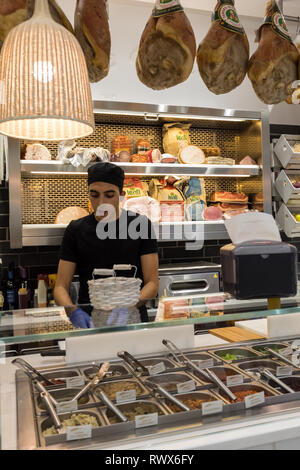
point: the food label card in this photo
(123, 397)
(212, 407)
(144, 421)
(79, 432)
(66, 407)
(254, 400)
(75, 382)
(234, 380)
(186, 386)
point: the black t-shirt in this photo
(129, 238)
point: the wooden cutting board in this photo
(233, 334)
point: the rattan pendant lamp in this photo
(44, 86)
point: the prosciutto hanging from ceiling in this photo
(167, 48)
(273, 67)
(223, 54)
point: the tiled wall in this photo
(38, 260)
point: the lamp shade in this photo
(44, 86)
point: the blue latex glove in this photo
(119, 316)
(80, 319)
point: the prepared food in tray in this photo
(235, 354)
(131, 410)
(193, 400)
(112, 388)
(75, 419)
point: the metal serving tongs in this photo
(133, 362)
(206, 372)
(51, 408)
(280, 356)
(93, 383)
(30, 371)
(155, 388)
(268, 374)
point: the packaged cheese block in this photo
(37, 152)
(176, 136)
(226, 196)
(134, 187)
(70, 213)
(145, 206)
(120, 143)
(192, 155)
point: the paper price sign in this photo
(204, 364)
(284, 370)
(212, 407)
(186, 386)
(79, 432)
(75, 382)
(234, 380)
(143, 421)
(254, 400)
(157, 369)
(123, 397)
(66, 407)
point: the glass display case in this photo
(153, 394)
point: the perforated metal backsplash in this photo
(43, 196)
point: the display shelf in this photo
(286, 189)
(287, 222)
(193, 232)
(285, 152)
(145, 169)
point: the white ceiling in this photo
(254, 8)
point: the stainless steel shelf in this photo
(146, 169)
(193, 233)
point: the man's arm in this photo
(65, 273)
(149, 265)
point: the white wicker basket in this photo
(114, 292)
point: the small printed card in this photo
(189, 386)
(284, 370)
(157, 369)
(234, 380)
(79, 432)
(123, 397)
(254, 400)
(144, 421)
(212, 407)
(66, 407)
(77, 381)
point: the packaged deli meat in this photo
(139, 158)
(273, 68)
(195, 202)
(226, 206)
(70, 213)
(154, 156)
(134, 187)
(145, 206)
(168, 158)
(224, 52)
(175, 137)
(167, 48)
(121, 143)
(226, 196)
(143, 146)
(212, 213)
(191, 155)
(171, 203)
(37, 152)
(92, 33)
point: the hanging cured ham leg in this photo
(224, 53)
(14, 12)
(167, 48)
(274, 66)
(92, 32)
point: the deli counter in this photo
(181, 383)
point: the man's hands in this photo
(80, 319)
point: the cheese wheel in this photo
(37, 152)
(192, 155)
(70, 213)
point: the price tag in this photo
(234, 380)
(123, 397)
(212, 407)
(186, 386)
(204, 364)
(284, 370)
(144, 421)
(254, 400)
(79, 432)
(75, 381)
(157, 369)
(286, 351)
(66, 407)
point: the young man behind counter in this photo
(83, 250)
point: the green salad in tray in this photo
(230, 357)
(274, 348)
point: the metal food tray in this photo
(61, 374)
(219, 369)
(108, 414)
(267, 345)
(103, 386)
(254, 385)
(167, 380)
(152, 361)
(249, 354)
(200, 395)
(63, 395)
(120, 369)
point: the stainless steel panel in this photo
(170, 285)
